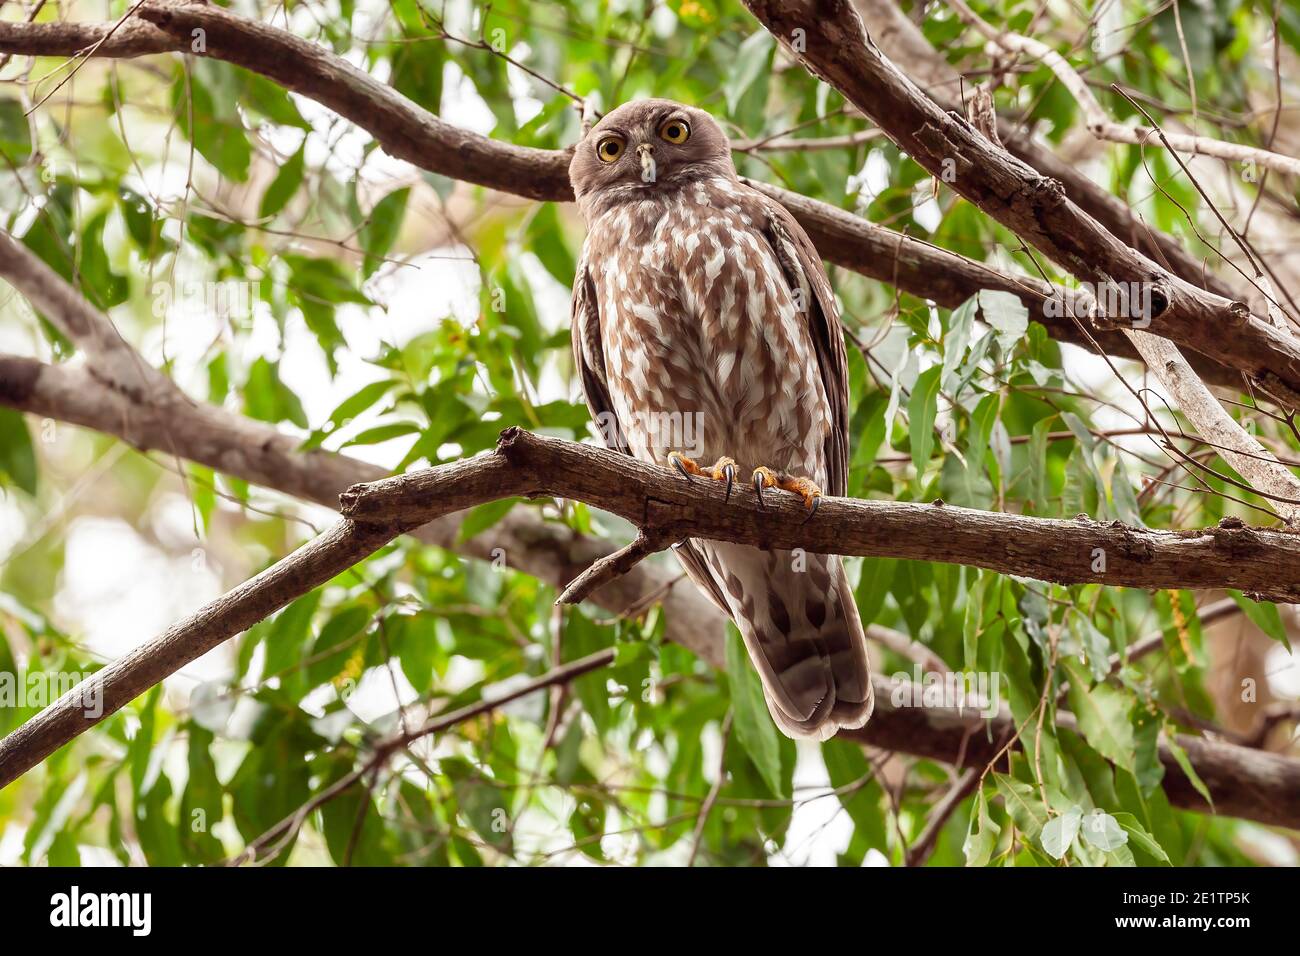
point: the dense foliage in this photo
(274, 261)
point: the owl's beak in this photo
(646, 153)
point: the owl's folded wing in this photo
(589, 360)
(804, 272)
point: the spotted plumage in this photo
(703, 325)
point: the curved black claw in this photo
(681, 469)
(758, 489)
(812, 510)
(730, 472)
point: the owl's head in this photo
(645, 146)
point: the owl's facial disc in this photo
(647, 146)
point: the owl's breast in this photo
(699, 324)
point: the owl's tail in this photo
(800, 624)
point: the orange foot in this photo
(809, 492)
(724, 469)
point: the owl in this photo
(705, 330)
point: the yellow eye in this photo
(675, 131)
(609, 149)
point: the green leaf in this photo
(1185, 764)
(1104, 717)
(1006, 314)
(853, 776)
(479, 519)
(1265, 616)
(1102, 831)
(1139, 835)
(382, 227)
(983, 835)
(750, 71)
(98, 281)
(287, 635)
(754, 727)
(201, 802)
(354, 830)
(217, 132)
(417, 73)
(415, 642)
(973, 620)
(483, 806)
(921, 410)
(269, 99)
(382, 433)
(333, 647)
(1096, 646)
(17, 457)
(318, 287)
(957, 338)
(1023, 804)
(269, 399)
(15, 133)
(1060, 831)
(283, 187)
(348, 409)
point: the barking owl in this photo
(705, 330)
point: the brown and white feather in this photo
(698, 299)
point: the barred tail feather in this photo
(801, 627)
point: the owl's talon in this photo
(763, 478)
(804, 488)
(724, 469)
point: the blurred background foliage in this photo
(274, 261)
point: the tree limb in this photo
(1096, 120)
(1234, 444)
(1261, 561)
(904, 43)
(409, 132)
(1242, 782)
(834, 46)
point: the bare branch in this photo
(260, 454)
(112, 359)
(108, 690)
(412, 133)
(905, 44)
(835, 47)
(1098, 123)
(1241, 782)
(612, 566)
(1261, 561)
(1251, 460)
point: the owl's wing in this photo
(803, 270)
(589, 360)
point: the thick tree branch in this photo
(412, 133)
(1212, 422)
(1233, 443)
(108, 690)
(259, 454)
(904, 43)
(1242, 782)
(1261, 561)
(834, 46)
(113, 360)
(1096, 120)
